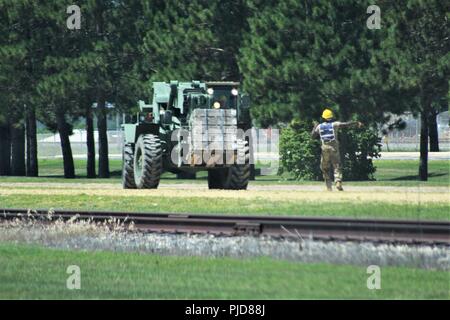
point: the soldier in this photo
(328, 133)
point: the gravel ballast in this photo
(115, 237)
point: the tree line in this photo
(293, 57)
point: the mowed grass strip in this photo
(40, 273)
(407, 170)
(389, 173)
(417, 201)
(272, 193)
(260, 206)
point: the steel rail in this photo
(317, 228)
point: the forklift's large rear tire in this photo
(147, 161)
(235, 177)
(127, 167)
(239, 173)
(238, 177)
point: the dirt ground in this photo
(411, 195)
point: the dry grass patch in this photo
(303, 194)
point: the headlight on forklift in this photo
(216, 105)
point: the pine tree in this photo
(180, 43)
(21, 53)
(300, 57)
(416, 51)
(107, 59)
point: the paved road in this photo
(414, 155)
(268, 156)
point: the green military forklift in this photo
(189, 127)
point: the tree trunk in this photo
(17, 150)
(423, 166)
(90, 143)
(433, 132)
(5, 150)
(64, 132)
(32, 159)
(103, 161)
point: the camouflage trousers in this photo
(331, 160)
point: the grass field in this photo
(389, 173)
(258, 205)
(38, 273)
(268, 195)
(32, 272)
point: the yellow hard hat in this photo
(327, 114)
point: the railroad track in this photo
(318, 228)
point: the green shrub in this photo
(300, 154)
(357, 145)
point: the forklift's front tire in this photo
(147, 161)
(127, 167)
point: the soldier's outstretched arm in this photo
(348, 124)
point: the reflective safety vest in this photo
(326, 132)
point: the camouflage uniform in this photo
(328, 133)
